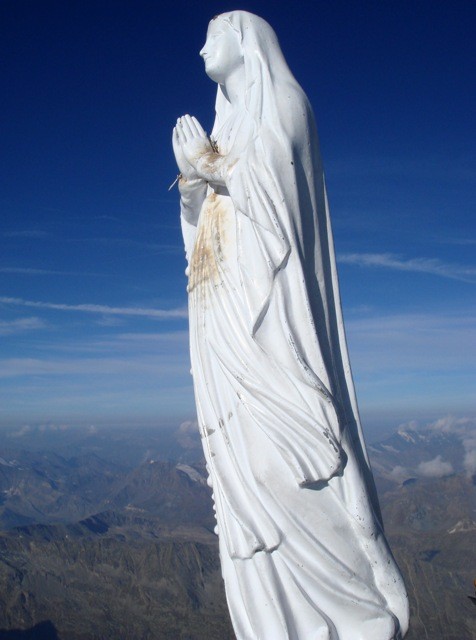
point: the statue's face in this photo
(222, 51)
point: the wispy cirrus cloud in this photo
(26, 233)
(20, 325)
(459, 241)
(432, 266)
(30, 271)
(101, 309)
(412, 342)
(133, 243)
(119, 366)
(174, 342)
(391, 166)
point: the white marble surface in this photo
(302, 548)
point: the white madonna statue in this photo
(302, 548)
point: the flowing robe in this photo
(302, 549)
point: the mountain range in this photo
(108, 534)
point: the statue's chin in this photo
(213, 75)
(214, 72)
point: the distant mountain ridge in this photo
(107, 545)
(427, 491)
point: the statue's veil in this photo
(265, 67)
(282, 125)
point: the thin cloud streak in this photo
(412, 342)
(175, 342)
(390, 167)
(43, 272)
(432, 266)
(162, 314)
(458, 241)
(130, 242)
(20, 325)
(155, 365)
(26, 233)
(27, 271)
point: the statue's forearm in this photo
(193, 192)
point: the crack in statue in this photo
(301, 541)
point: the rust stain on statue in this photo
(208, 249)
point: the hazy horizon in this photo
(93, 309)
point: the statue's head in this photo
(244, 43)
(222, 52)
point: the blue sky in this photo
(93, 320)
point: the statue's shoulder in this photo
(295, 111)
(290, 94)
